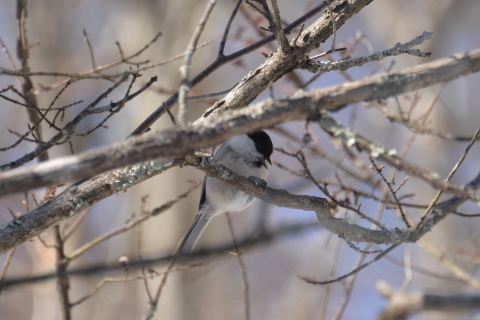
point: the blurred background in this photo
(214, 290)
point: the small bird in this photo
(246, 155)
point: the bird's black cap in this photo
(263, 143)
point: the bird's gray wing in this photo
(222, 152)
(203, 195)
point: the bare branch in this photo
(77, 198)
(320, 35)
(178, 143)
(244, 244)
(450, 175)
(393, 192)
(221, 49)
(345, 135)
(131, 224)
(321, 207)
(187, 62)
(8, 260)
(353, 272)
(23, 49)
(243, 270)
(278, 30)
(68, 130)
(401, 305)
(63, 281)
(326, 66)
(104, 281)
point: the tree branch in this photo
(274, 67)
(75, 199)
(245, 243)
(177, 143)
(320, 206)
(401, 305)
(280, 63)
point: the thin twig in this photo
(334, 28)
(328, 288)
(104, 281)
(450, 175)
(458, 271)
(354, 271)
(407, 267)
(405, 48)
(131, 224)
(90, 49)
(298, 36)
(6, 264)
(347, 290)
(301, 158)
(68, 130)
(95, 72)
(278, 30)
(210, 95)
(27, 84)
(244, 244)
(187, 62)
(243, 269)
(153, 304)
(139, 249)
(422, 269)
(69, 230)
(221, 48)
(467, 215)
(389, 186)
(254, 23)
(63, 281)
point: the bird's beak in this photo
(264, 162)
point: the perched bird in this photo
(246, 155)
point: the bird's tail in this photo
(193, 234)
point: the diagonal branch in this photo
(345, 135)
(75, 199)
(320, 206)
(176, 143)
(179, 142)
(275, 67)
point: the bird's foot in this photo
(259, 183)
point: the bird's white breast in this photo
(228, 199)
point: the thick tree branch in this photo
(280, 63)
(177, 143)
(320, 206)
(275, 67)
(75, 199)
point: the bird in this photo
(246, 155)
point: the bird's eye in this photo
(257, 163)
